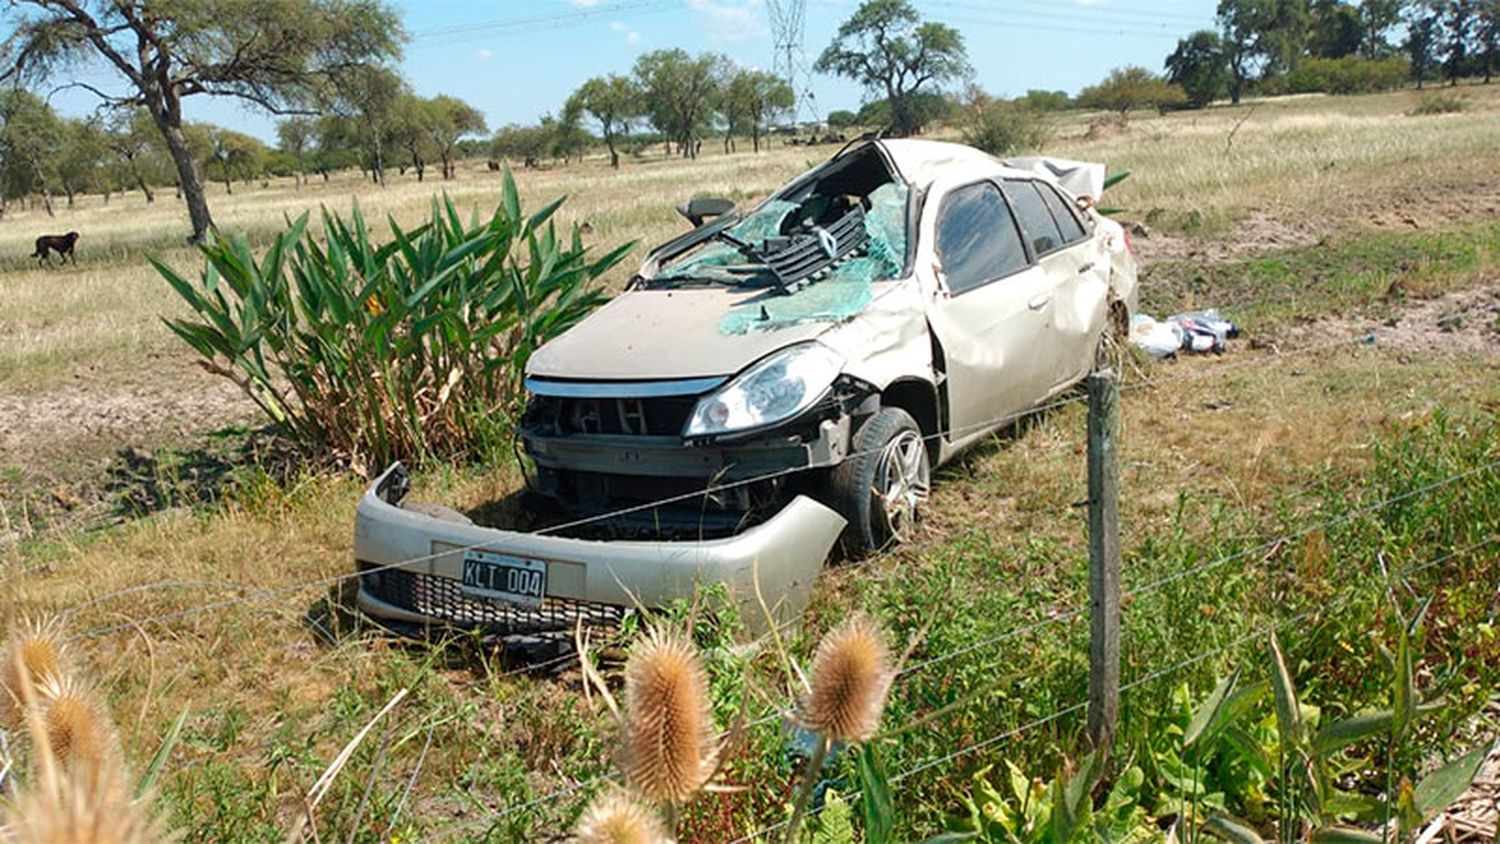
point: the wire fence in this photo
(552, 798)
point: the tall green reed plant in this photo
(408, 349)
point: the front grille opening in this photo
(654, 416)
(439, 597)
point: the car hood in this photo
(647, 335)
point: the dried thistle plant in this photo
(851, 679)
(616, 817)
(37, 650)
(78, 731)
(669, 751)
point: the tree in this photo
(79, 159)
(368, 99)
(452, 121)
(1489, 35)
(1131, 87)
(1377, 17)
(280, 55)
(678, 92)
(1000, 127)
(233, 155)
(886, 47)
(1338, 29)
(1458, 18)
(754, 97)
(566, 138)
(842, 119)
(30, 135)
(527, 143)
(132, 137)
(411, 128)
(1046, 100)
(1261, 38)
(1200, 67)
(295, 136)
(613, 102)
(1422, 31)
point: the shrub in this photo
(409, 349)
(1346, 75)
(1439, 104)
(1001, 127)
(1130, 87)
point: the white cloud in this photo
(632, 38)
(583, 4)
(484, 54)
(731, 21)
(1088, 3)
(618, 26)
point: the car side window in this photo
(1067, 220)
(1041, 230)
(977, 239)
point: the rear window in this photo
(1036, 221)
(977, 240)
(1067, 220)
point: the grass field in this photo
(1309, 220)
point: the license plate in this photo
(501, 577)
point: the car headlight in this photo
(774, 390)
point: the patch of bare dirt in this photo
(1465, 322)
(1258, 233)
(58, 433)
(1429, 204)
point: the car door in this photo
(989, 311)
(1077, 279)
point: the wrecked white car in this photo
(770, 381)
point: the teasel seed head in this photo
(668, 751)
(78, 731)
(616, 817)
(851, 677)
(39, 651)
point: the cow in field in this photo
(62, 244)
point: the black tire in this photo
(437, 511)
(863, 484)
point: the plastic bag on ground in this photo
(1157, 339)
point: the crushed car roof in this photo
(922, 162)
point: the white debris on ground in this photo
(1194, 331)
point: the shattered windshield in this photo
(813, 251)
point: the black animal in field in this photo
(62, 244)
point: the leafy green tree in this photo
(369, 100)
(754, 98)
(140, 159)
(79, 161)
(678, 92)
(1046, 100)
(452, 120)
(887, 47)
(1423, 31)
(295, 136)
(1489, 36)
(1261, 38)
(279, 55)
(1200, 67)
(1338, 29)
(1458, 20)
(526, 143)
(926, 107)
(842, 119)
(1000, 127)
(1131, 87)
(233, 155)
(410, 129)
(30, 135)
(614, 103)
(566, 138)
(1377, 17)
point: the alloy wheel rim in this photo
(902, 483)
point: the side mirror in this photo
(697, 210)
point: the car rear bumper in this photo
(412, 567)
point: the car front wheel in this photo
(881, 486)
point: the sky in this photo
(516, 60)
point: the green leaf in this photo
(1114, 179)
(1440, 788)
(1207, 711)
(951, 838)
(163, 752)
(1344, 835)
(875, 792)
(1288, 713)
(1233, 829)
(1358, 728)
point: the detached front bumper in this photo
(412, 567)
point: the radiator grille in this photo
(440, 598)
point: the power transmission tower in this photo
(788, 20)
